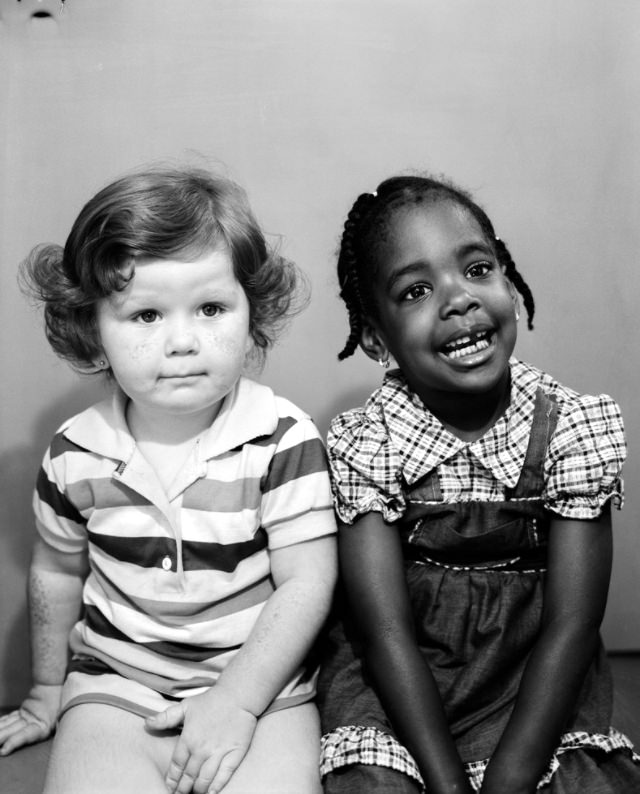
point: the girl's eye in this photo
(210, 310)
(147, 316)
(415, 292)
(479, 269)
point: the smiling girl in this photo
(473, 493)
(185, 557)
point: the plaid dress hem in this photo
(354, 744)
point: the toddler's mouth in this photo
(468, 345)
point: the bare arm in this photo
(55, 603)
(304, 576)
(574, 603)
(219, 725)
(373, 570)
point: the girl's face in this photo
(177, 336)
(445, 310)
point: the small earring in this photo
(101, 364)
(384, 362)
(517, 314)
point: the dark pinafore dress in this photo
(476, 573)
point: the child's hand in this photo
(34, 721)
(215, 738)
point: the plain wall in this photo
(531, 106)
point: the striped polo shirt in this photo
(179, 578)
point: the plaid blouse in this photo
(393, 439)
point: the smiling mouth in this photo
(468, 345)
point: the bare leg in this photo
(105, 750)
(283, 757)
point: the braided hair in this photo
(365, 227)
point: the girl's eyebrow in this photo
(470, 248)
(406, 270)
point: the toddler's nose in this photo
(182, 339)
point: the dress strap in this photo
(545, 419)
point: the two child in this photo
(186, 550)
(473, 493)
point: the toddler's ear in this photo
(372, 342)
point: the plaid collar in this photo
(423, 443)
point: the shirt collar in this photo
(247, 412)
(423, 443)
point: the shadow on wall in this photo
(18, 471)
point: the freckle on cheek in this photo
(227, 344)
(140, 352)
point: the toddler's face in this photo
(445, 309)
(177, 336)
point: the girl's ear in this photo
(372, 343)
(515, 298)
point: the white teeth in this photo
(464, 348)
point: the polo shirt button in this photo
(166, 563)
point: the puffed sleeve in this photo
(584, 463)
(364, 467)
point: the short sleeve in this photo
(296, 493)
(584, 462)
(365, 468)
(59, 522)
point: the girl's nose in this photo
(457, 298)
(182, 339)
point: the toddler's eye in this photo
(479, 269)
(210, 310)
(147, 316)
(415, 292)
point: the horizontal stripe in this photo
(307, 457)
(151, 552)
(147, 552)
(240, 493)
(285, 423)
(176, 612)
(228, 630)
(49, 493)
(98, 623)
(218, 556)
(137, 662)
(102, 492)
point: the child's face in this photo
(446, 312)
(177, 337)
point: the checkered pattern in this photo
(353, 744)
(393, 440)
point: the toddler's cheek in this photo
(226, 344)
(142, 352)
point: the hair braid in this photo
(514, 275)
(348, 273)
